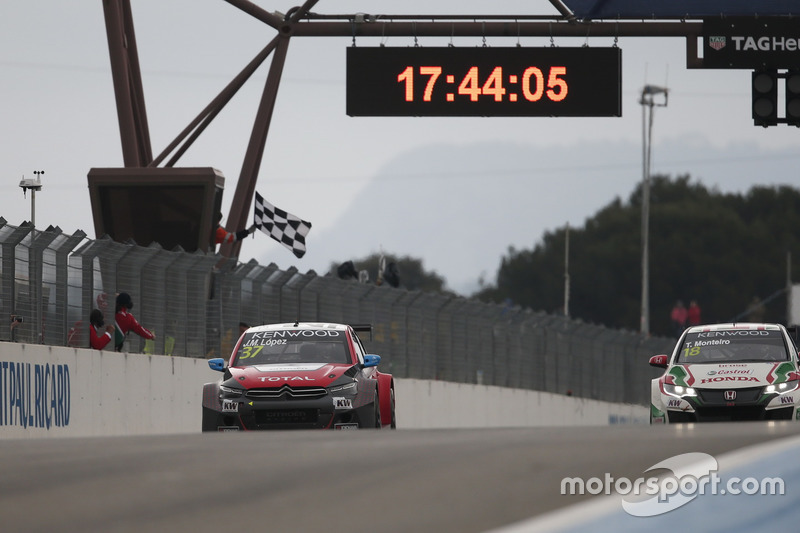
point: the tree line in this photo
(729, 252)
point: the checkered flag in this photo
(284, 227)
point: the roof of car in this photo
(734, 325)
(300, 325)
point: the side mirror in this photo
(217, 364)
(659, 361)
(371, 360)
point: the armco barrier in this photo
(51, 391)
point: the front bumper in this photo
(264, 414)
(710, 405)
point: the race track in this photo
(388, 481)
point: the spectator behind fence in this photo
(693, 314)
(756, 311)
(99, 339)
(678, 318)
(126, 322)
(228, 341)
(15, 322)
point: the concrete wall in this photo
(51, 391)
(441, 404)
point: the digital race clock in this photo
(484, 81)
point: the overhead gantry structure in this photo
(300, 21)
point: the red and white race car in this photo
(299, 375)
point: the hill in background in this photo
(460, 207)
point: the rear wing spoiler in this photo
(361, 328)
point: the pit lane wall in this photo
(52, 391)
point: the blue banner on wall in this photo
(34, 395)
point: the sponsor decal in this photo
(727, 378)
(751, 42)
(730, 395)
(33, 395)
(729, 372)
(230, 406)
(285, 378)
(284, 415)
(764, 44)
(289, 334)
(787, 399)
(673, 402)
(735, 333)
(345, 426)
(225, 429)
(342, 403)
(716, 42)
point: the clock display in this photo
(484, 81)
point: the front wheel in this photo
(393, 424)
(211, 420)
(371, 420)
(377, 412)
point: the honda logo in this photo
(730, 395)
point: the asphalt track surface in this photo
(388, 481)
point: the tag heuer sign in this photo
(716, 42)
(751, 43)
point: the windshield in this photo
(292, 346)
(733, 345)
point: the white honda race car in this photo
(726, 372)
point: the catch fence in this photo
(194, 303)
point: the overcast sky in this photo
(58, 113)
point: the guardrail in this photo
(195, 301)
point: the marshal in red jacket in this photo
(126, 322)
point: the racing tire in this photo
(393, 424)
(210, 420)
(377, 412)
(371, 418)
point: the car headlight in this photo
(230, 392)
(347, 388)
(679, 391)
(782, 388)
